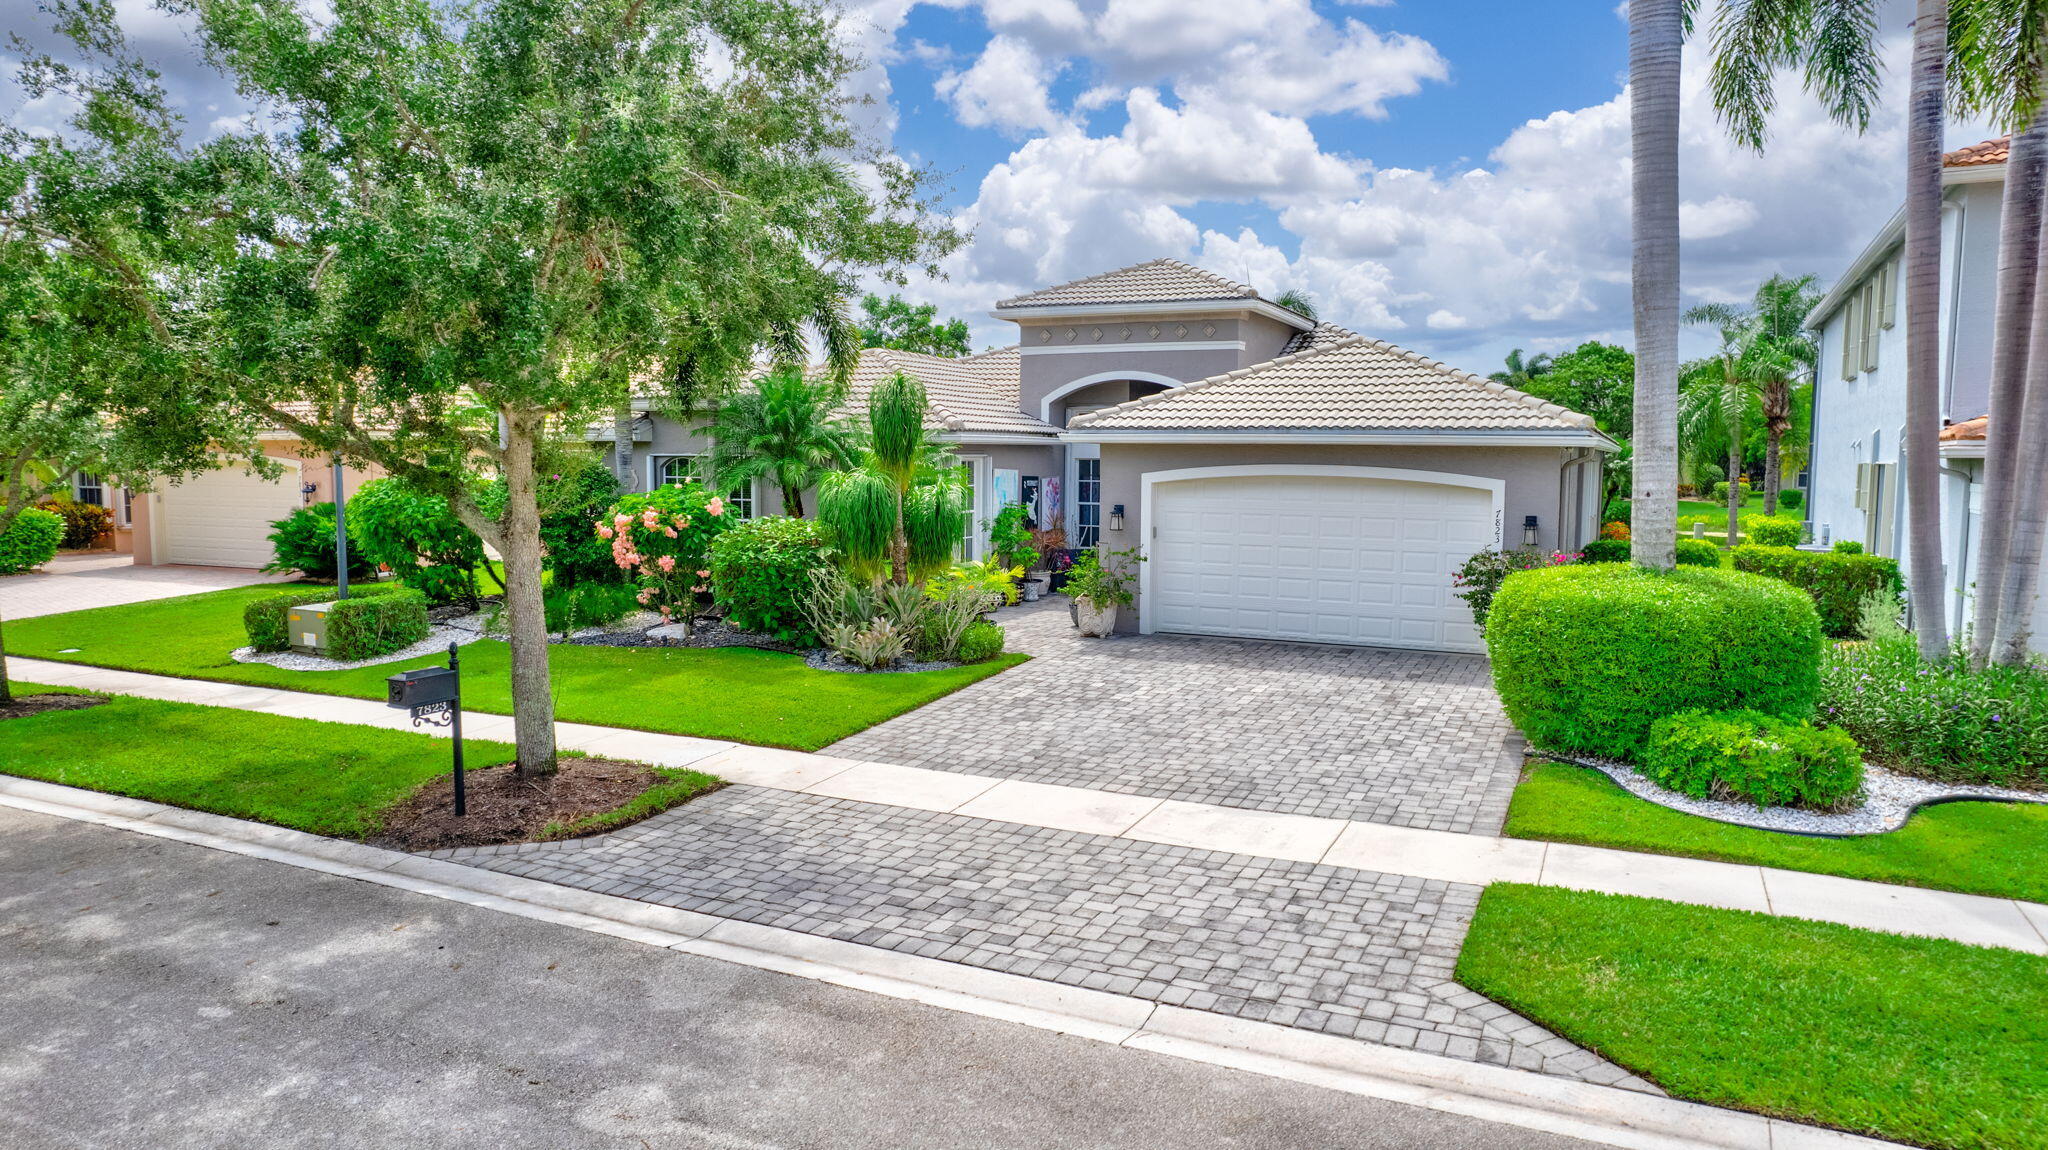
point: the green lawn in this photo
(1919, 1040)
(748, 696)
(1998, 849)
(327, 778)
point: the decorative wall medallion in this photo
(1070, 335)
(1126, 333)
(1155, 331)
(1045, 335)
(1096, 335)
(1180, 331)
(1209, 329)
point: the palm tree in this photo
(1921, 279)
(1782, 356)
(903, 507)
(784, 430)
(1720, 395)
(1520, 373)
(1299, 302)
(1656, 36)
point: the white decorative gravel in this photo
(1889, 799)
(436, 643)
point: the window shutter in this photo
(1849, 339)
(1888, 296)
(1870, 329)
(1863, 486)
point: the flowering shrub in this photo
(1938, 720)
(662, 540)
(1615, 529)
(1480, 578)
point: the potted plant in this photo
(1099, 583)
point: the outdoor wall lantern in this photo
(1116, 517)
(1528, 531)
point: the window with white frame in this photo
(1088, 502)
(89, 488)
(677, 470)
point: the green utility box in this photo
(307, 625)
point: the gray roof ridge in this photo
(1493, 385)
(1245, 291)
(1240, 373)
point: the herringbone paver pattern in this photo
(1327, 949)
(1410, 738)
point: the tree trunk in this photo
(533, 699)
(1922, 296)
(1734, 487)
(6, 688)
(2019, 239)
(1774, 435)
(1655, 34)
(793, 502)
(2027, 522)
(622, 445)
(899, 548)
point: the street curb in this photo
(1491, 1093)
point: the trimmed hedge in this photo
(1838, 581)
(980, 643)
(84, 523)
(366, 627)
(1742, 755)
(31, 540)
(1791, 499)
(761, 574)
(1848, 547)
(265, 619)
(1605, 551)
(1776, 531)
(1588, 657)
(1698, 553)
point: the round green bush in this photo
(570, 502)
(31, 540)
(1776, 531)
(1698, 553)
(1605, 551)
(1720, 493)
(1791, 499)
(761, 574)
(417, 535)
(1588, 657)
(980, 643)
(304, 542)
(1749, 757)
(1848, 547)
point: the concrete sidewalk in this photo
(1363, 846)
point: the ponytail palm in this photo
(903, 509)
(784, 431)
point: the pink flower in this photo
(703, 574)
(645, 596)
(700, 588)
(667, 563)
(603, 532)
(622, 520)
(669, 531)
(682, 521)
(715, 507)
(665, 609)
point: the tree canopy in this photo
(1596, 379)
(900, 324)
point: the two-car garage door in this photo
(1331, 558)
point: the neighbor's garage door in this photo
(222, 518)
(1320, 558)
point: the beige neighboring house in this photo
(1284, 479)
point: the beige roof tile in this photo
(1988, 152)
(976, 393)
(1348, 384)
(1154, 281)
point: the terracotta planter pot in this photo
(1094, 622)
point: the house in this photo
(1282, 478)
(1859, 409)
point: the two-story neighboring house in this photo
(1859, 411)
(1282, 479)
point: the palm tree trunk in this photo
(899, 547)
(793, 502)
(622, 444)
(2027, 524)
(1734, 486)
(1656, 31)
(2019, 240)
(1774, 435)
(1922, 295)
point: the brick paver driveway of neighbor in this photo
(103, 579)
(1410, 738)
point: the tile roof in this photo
(1320, 336)
(1988, 152)
(1968, 431)
(1154, 281)
(975, 393)
(1352, 384)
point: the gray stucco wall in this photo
(1535, 476)
(1970, 288)
(1055, 353)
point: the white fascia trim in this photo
(973, 437)
(1072, 386)
(1150, 480)
(1169, 307)
(1592, 439)
(1107, 348)
(1967, 449)
(1880, 248)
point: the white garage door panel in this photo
(1338, 559)
(222, 518)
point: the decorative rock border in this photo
(435, 643)
(1889, 799)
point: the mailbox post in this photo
(433, 697)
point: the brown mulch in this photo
(505, 808)
(26, 705)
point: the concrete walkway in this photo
(1363, 846)
(87, 579)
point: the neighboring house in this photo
(1284, 479)
(1859, 409)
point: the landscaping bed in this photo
(48, 699)
(1995, 849)
(584, 796)
(768, 698)
(1924, 1041)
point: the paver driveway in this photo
(103, 579)
(1404, 737)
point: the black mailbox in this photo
(422, 687)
